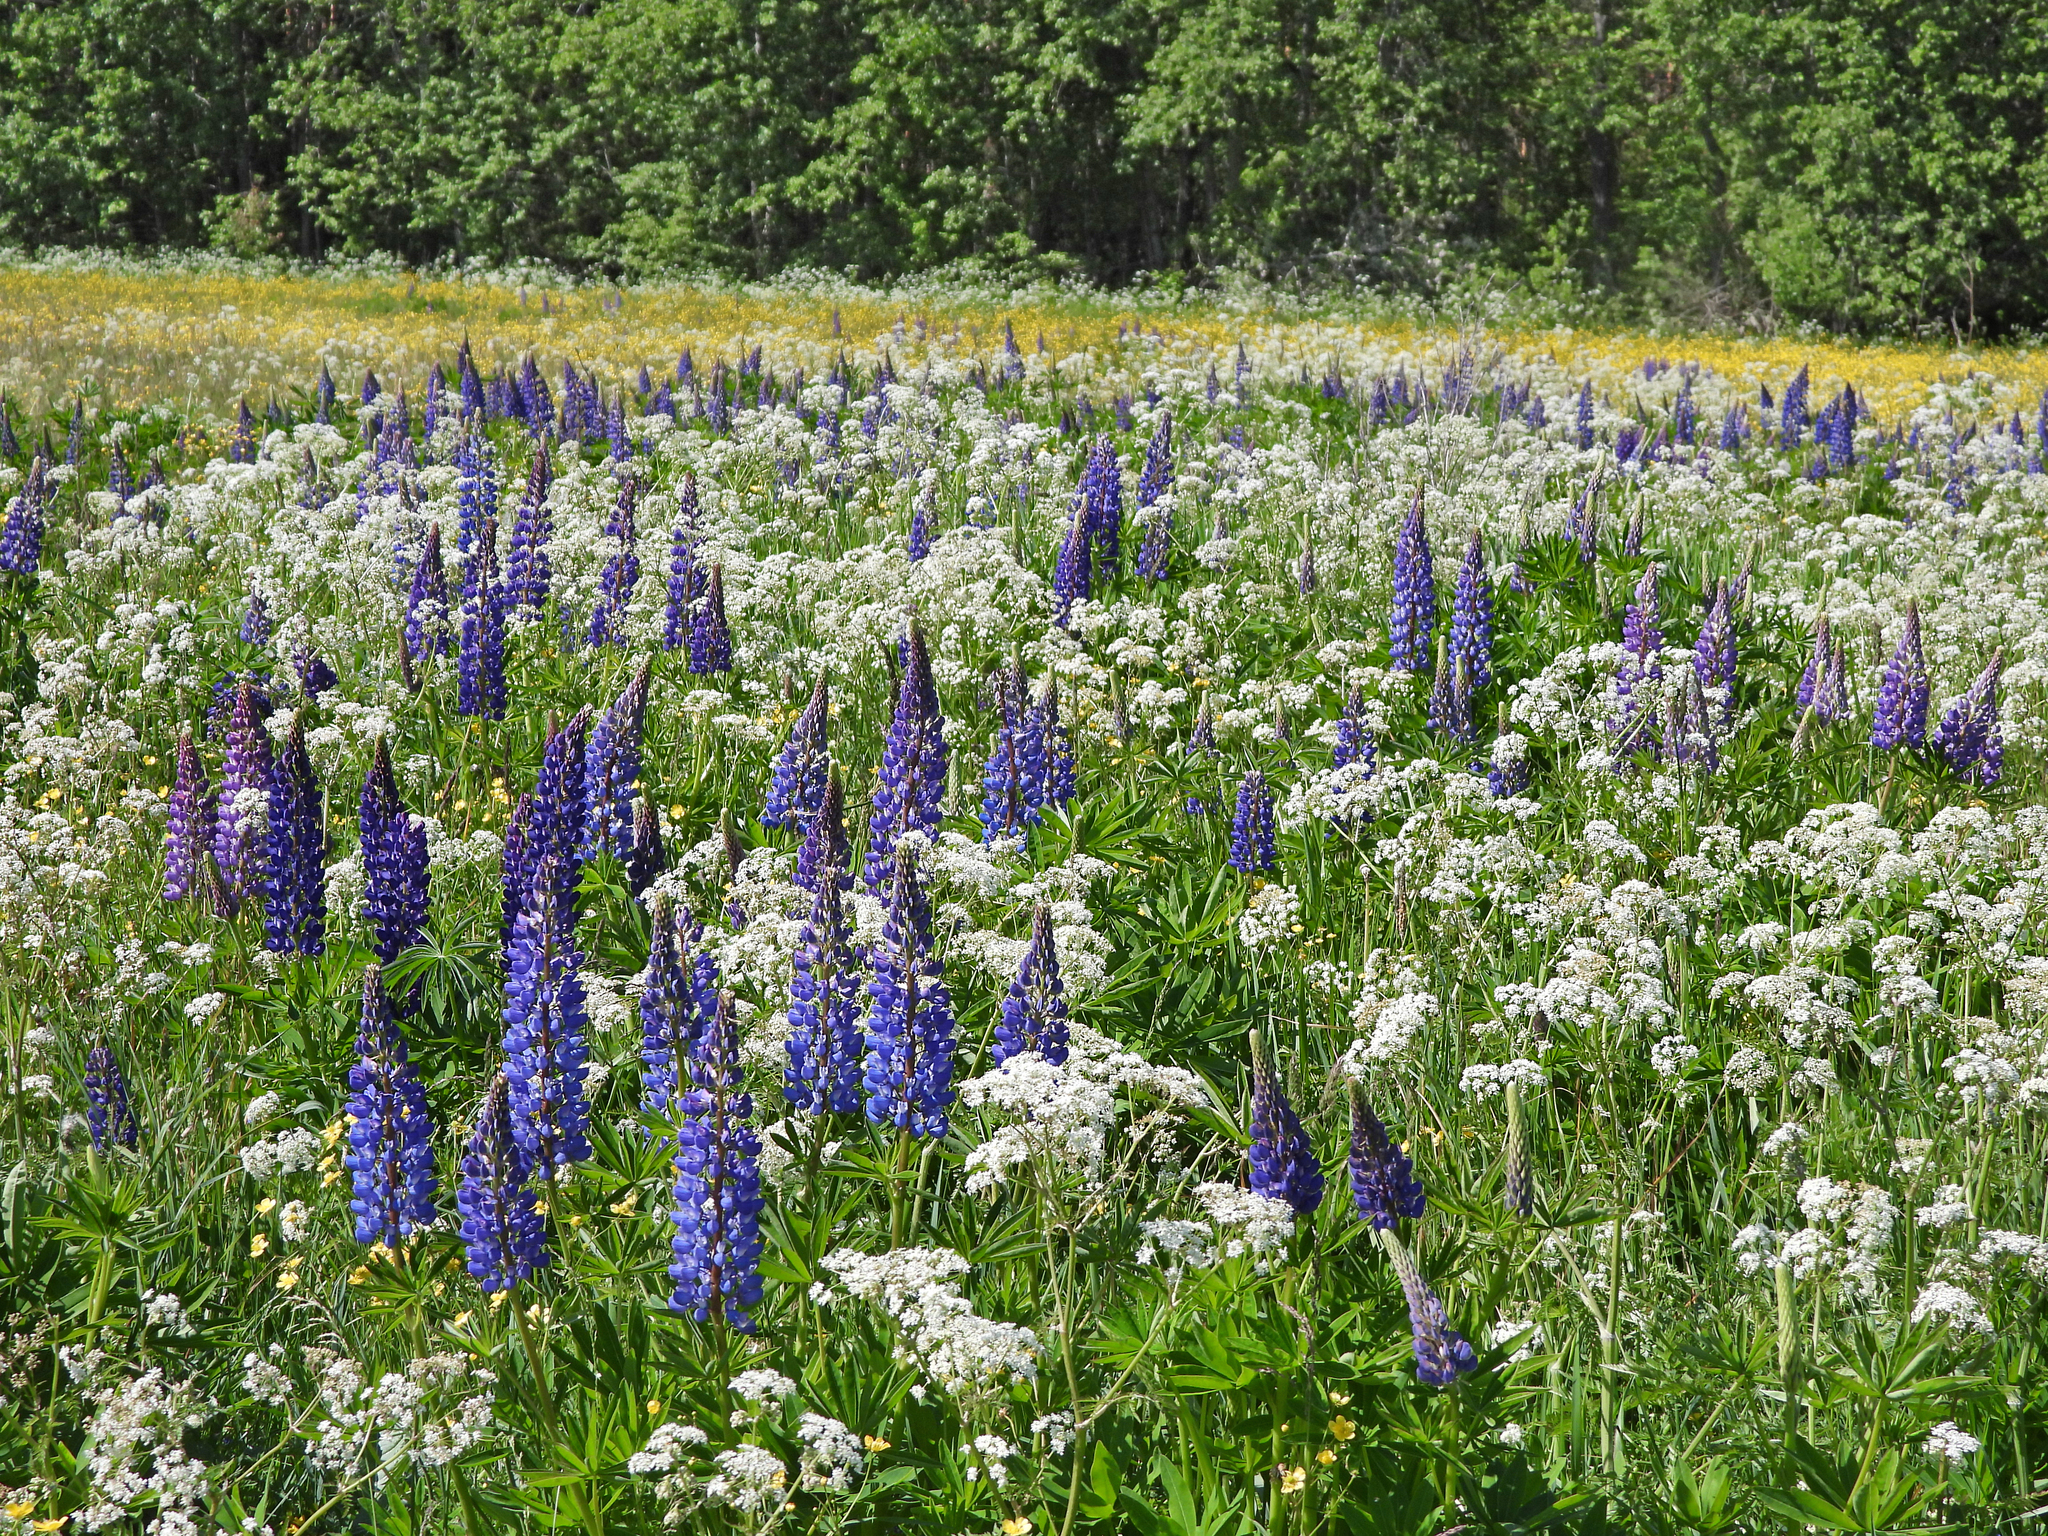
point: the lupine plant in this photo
(870, 1022)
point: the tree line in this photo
(1873, 165)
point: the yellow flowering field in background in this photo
(200, 340)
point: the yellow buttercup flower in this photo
(1017, 1525)
(1341, 1428)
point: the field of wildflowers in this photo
(731, 913)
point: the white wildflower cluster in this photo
(1271, 918)
(165, 1314)
(1482, 1081)
(937, 1329)
(289, 1151)
(136, 1435)
(1058, 1116)
(426, 1415)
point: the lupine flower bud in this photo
(545, 1029)
(717, 1213)
(188, 827)
(295, 875)
(1901, 716)
(1517, 1189)
(1441, 1353)
(827, 852)
(503, 1235)
(391, 1156)
(710, 637)
(107, 1110)
(797, 786)
(909, 1072)
(1034, 1012)
(1251, 829)
(1383, 1184)
(1413, 622)
(612, 771)
(1283, 1160)
(1814, 678)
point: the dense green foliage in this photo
(1858, 165)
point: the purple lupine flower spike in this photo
(1305, 573)
(717, 1212)
(612, 771)
(504, 1236)
(391, 1155)
(244, 778)
(912, 782)
(1383, 1183)
(1968, 737)
(710, 636)
(910, 1045)
(188, 827)
(827, 852)
(107, 1111)
(545, 1029)
(394, 854)
(1251, 828)
(648, 859)
(256, 628)
(678, 991)
(480, 674)
(426, 604)
(1154, 481)
(1051, 743)
(1071, 576)
(1354, 737)
(1441, 1353)
(1901, 716)
(685, 577)
(1413, 621)
(1034, 1010)
(1832, 701)
(295, 873)
(1713, 663)
(21, 538)
(527, 573)
(1283, 1160)
(825, 1001)
(797, 786)
(1472, 617)
(1013, 779)
(1450, 699)
(1641, 669)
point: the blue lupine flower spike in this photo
(1283, 1160)
(1414, 613)
(390, 1160)
(1383, 1184)
(108, 1113)
(1033, 1016)
(717, 1211)
(796, 788)
(910, 1045)
(826, 1000)
(504, 1236)
(1441, 1353)
(545, 1029)
(1251, 828)
(1901, 715)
